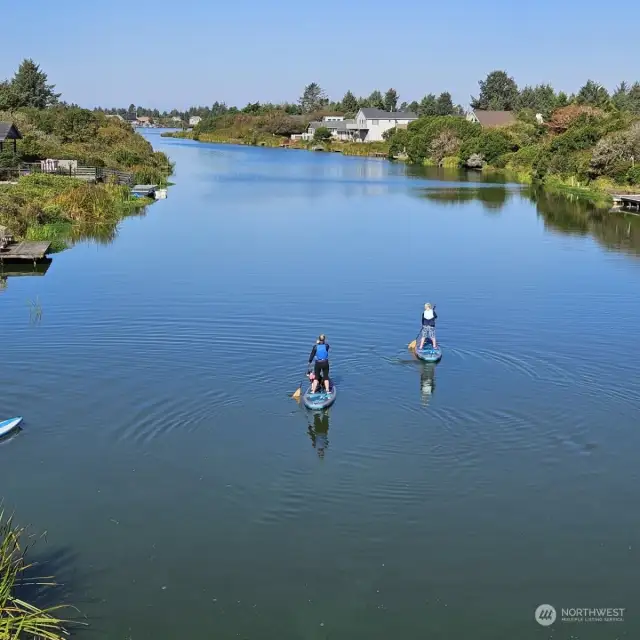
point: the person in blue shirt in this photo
(429, 318)
(320, 353)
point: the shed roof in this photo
(8, 131)
(494, 118)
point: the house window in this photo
(374, 122)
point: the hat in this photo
(322, 337)
(427, 305)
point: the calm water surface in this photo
(186, 495)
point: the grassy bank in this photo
(50, 207)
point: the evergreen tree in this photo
(444, 104)
(498, 92)
(391, 100)
(313, 98)
(349, 103)
(30, 88)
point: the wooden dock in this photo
(627, 201)
(25, 250)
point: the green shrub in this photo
(633, 175)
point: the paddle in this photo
(298, 391)
(412, 345)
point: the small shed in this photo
(9, 131)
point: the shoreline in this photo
(599, 195)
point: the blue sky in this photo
(176, 54)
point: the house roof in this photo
(494, 118)
(339, 125)
(8, 131)
(381, 114)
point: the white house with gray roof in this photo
(367, 126)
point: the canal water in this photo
(186, 495)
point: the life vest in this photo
(322, 352)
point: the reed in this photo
(35, 310)
(20, 620)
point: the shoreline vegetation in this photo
(586, 143)
(21, 590)
(59, 208)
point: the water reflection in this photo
(492, 198)
(427, 382)
(100, 234)
(319, 432)
(571, 214)
(22, 269)
(453, 174)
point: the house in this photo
(491, 119)
(143, 121)
(9, 131)
(367, 126)
(194, 120)
(176, 120)
(372, 123)
(340, 128)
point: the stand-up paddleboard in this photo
(320, 399)
(428, 353)
(8, 426)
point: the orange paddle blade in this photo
(412, 345)
(296, 393)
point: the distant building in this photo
(116, 116)
(143, 121)
(176, 119)
(194, 120)
(491, 119)
(367, 126)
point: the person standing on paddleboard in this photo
(428, 325)
(320, 352)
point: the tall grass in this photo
(19, 619)
(49, 207)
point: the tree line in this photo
(500, 92)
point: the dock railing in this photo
(90, 174)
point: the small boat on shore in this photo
(8, 426)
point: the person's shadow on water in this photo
(319, 432)
(427, 382)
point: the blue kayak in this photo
(428, 353)
(7, 426)
(320, 399)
